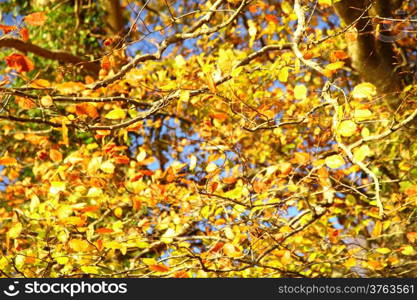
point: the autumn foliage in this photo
(206, 139)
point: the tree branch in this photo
(61, 56)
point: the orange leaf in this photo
(121, 159)
(229, 180)
(90, 208)
(253, 8)
(181, 274)
(86, 109)
(217, 247)
(25, 103)
(351, 36)
(214, 186)
(24, 33)
(7, 161)
(219, 116)
(159, 268)
(301, 158)
(272, 18)
(104, 230)
(35, 19)
(55, 155)
(340, 54)
(100, 244)
(412, 236)
(377, 230)
(19, 62)
(65, 139)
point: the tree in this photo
(208, 138)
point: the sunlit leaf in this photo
(347, 128)
(334, 161)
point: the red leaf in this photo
(19, 62)
(217, 247)
(7, 28)
(35, 19)
(24, 33)
(146, 172)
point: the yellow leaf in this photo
(325, 2)
(377, 230)
(90, 269)
(180, 62)
(300, 92)
(184, 96)
(149, 261)
(361, 153)
(56, 187)
(364, 90)
(205, 212)
(107, 167)
(47, 101)
(118, 212)
(252, 32)
(141, 156)
(362, 114)
(365, 132)
(211, 167)
(229, 233)
(347, 128)
(334, 161)
(168, 235)
(62, 260)
(229, 249)
(116, 114)
(79, 245)
(383, 250)
(286, 7)
(351, 262)
(283, 74)
(15, 230)
(335, 66)
(193, 162)
(286, 258)
(408, 250)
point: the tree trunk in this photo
(373, 56)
